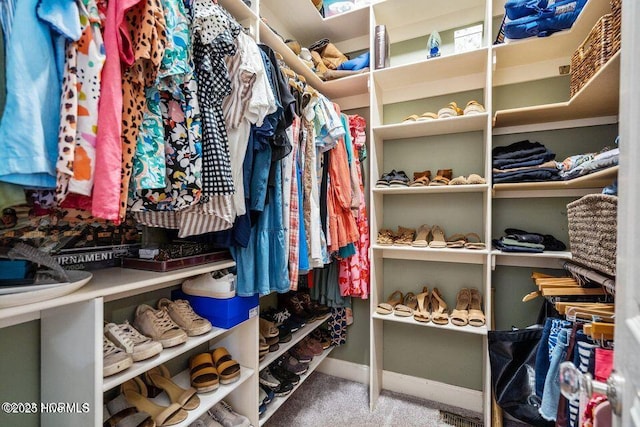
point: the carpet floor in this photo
(323, 400)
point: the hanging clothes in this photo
(33, 83)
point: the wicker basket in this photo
(592, 231)
(600, 45)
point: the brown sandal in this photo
(473, 241)
(439, 314)
(385, 237)
(204, 376)
(421, 179)
(161, 378)
(228, 369)
(405, 236)
(442, 177)
(422, 314)
(409, 305)
(476, 315)
(387, 307)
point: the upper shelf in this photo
(596, 181)
(435, 76)
(539, 57)
(598, 97)
(459, 124)
(303, 23)
(408, 19)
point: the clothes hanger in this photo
(561, 306)
(574, 314)
(531, 296)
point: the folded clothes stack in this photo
(584, 164)
(516, 240)
(524, 161)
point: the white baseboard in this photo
(413, 386)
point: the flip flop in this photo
(387, 307)
(422, 235)
(460, 314)
(228, 369)
(438, 241)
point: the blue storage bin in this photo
(222, 313)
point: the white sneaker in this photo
(158, 325)
(114, 358)
(205, 420)
(181, 312)
(127, 337)
(225, 415)
(205, 285)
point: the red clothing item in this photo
(342, 225)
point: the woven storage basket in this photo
(592, 231)
(600, 45)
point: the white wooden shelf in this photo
(597, 98)
(277, 402)
(465, 256)
(296, 337)
(238, 9)
(546, 259)
(165, 355)
(460, 124)
(479, 330)
(592, 183)
(436, 189)
(111, 284)
(207, 400)
(351, 86)
(436, 76)
(535, 58)
(304, 23)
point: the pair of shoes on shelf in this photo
(468, 309)
(404, 236)
(432, 237)
(452, 110)
(279, 387)
(420, 118)
(171, 323)
(122, 345)
(468, 241)
(431, 307)
(471, 179)
(210, 369)
(393, 179)
(120, 412)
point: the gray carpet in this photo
(323, 400)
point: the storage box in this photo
(467, 39)
(95, 258)
(222, 313)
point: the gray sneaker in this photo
(225, 415)
(158, 325)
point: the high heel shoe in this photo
(439, 314)
(161, 378)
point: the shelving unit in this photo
(481, 330)
(444, 126)
(470, 188)
(279, 401)
(461, 255)
(547, 259)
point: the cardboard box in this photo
(222, 313)
(467, 39)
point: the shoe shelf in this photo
(305, 24)
(465, 256)
(436, 76)
(470, 188)
(539, 57)
(597, 98)
(577, 187)
(480, 330)
(207, 400)
(110, 284)
(449, 125)
(296, 337)
(165, 355)
(349, 92)
(278, 401)
(546, 259)
(238, 9)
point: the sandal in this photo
(422, 314)
(473, 107)
(460, 314)
(136, 393)
(427, 116)
(410, 119)
(161, 378)
(408, 306)
(124, 414)
(439, 314)
(422, 237)
(451, 110)
(204, 376)
(474, 178)
(268, 329)
(438, 241)
(459, 180)
(405, 236)
(387, 307)
(228, 369)
(399, 179)
(385, 179)
(386, 237)
(442, 177)
(476, 315)
(421, 179)
(456, 241)
(474, 241)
